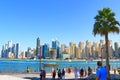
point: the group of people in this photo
(101, 72)
(61, 74)
(77, 72)
(82, 72)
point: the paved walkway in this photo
(48, 76)
(9, 77)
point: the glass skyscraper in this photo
(38, 48)
(55, 46)
(45, 51)
(17, 50)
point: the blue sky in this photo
(68, 20)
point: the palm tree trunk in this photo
(107, 56)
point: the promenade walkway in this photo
(36, 76)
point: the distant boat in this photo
(34, 59)
(69, 60)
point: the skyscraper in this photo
(3, 52)
(55, 46)
(88, 49)
(17, 50)
(9, 43)
(9, 46)
(110, 48)
(95, 49)
(78, 53)
(52, 53)
(28, 53)
(38, 48)
(72, 48)
(45, 51)
(6, 51)
(14, 50)
(116, 44)
(82, 49)
(62, 48)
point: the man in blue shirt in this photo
(101, 72)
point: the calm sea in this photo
(21, 65)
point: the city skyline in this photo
(80, 51)
(69, 21)
(11, 43)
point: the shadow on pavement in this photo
(32, 78)
(36, 78)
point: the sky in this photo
(67, 20)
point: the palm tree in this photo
(105, 23)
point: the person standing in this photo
(76, 73)
(69, 70)
(81, 73)
(114, 70)
(101, 72)
(28, 69)
(59, 74)
(63, 74)
(43, 75)
(54, 74)
(89, 71)
(41, 72)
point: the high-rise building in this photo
(6, 51)
(116, 45)
(72, 49)
(82, 49)
(3, 52)
(9, 46)
(38, 51)
(102, 49)
(93, 52)
(17, 50)
(95, 49)
(45, 51)
(9, 43)
(88, 49)
(62, 48)
(66, 51)
(28, 52)
(78, 53)
(102, 42)
(14, 49)
(22, 55)
(110, 48)
(52, 53)
(55, 46)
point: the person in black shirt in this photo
(59, 74)
(63, 74)
(41, 72)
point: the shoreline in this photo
(63, 60)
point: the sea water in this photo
(34, 65)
